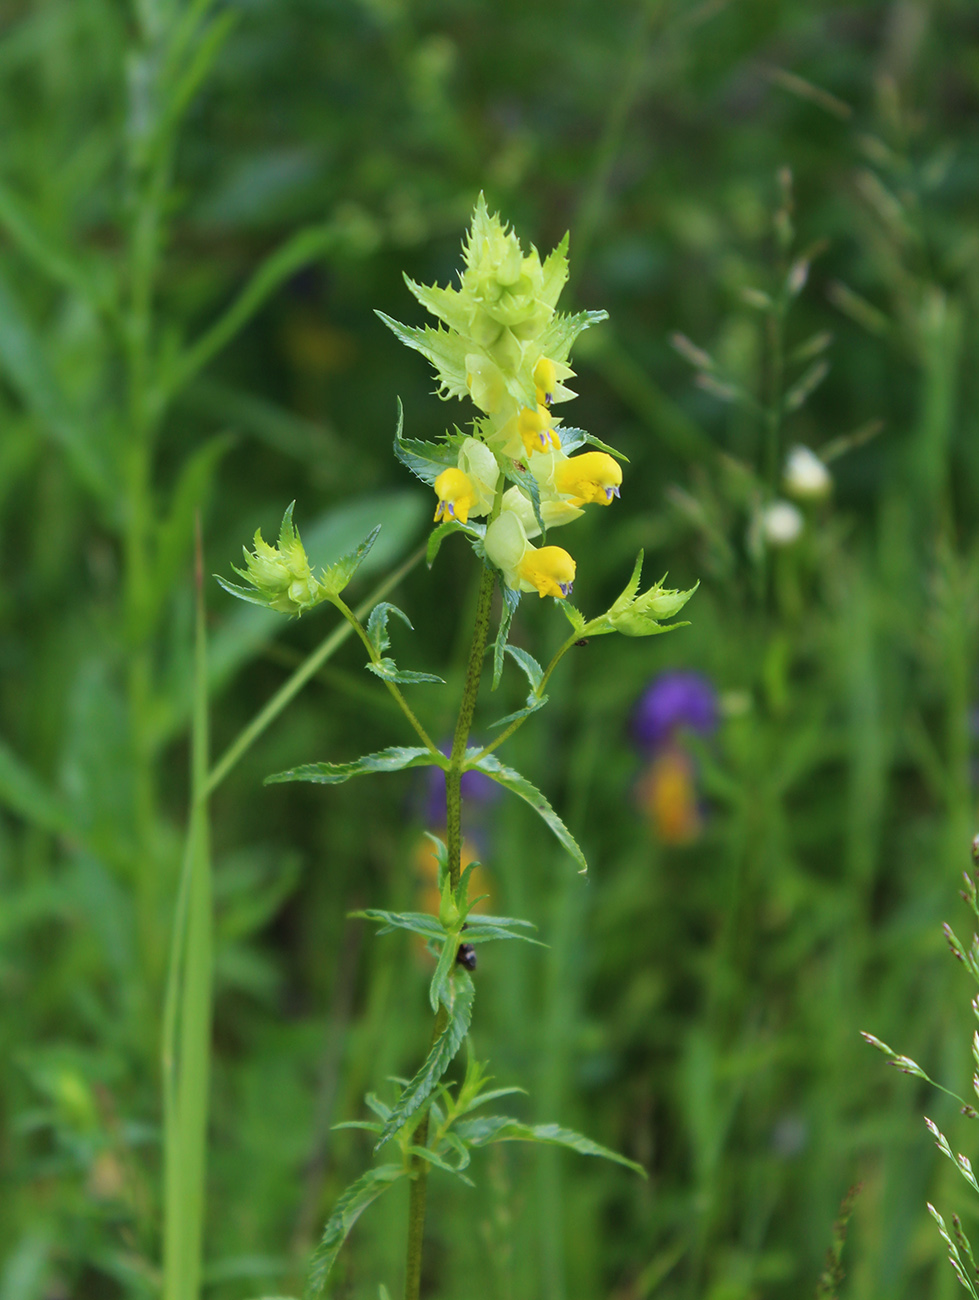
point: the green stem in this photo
(375, 659)
(453, 778)
(518, 723)
(294, 684)
(453, 774)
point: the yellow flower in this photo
(549, 570)
(456, 495)
(592, 477)
(536, 430)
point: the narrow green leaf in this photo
(418, 922)
(525, 712)
(498, 1128)
(439, 989)
(511, 599)
(443, 1052)
(388, 671)
(303, 247)
(22, 793)
(427, 1154)
(24, 362)
(346, 1212)
(393, 759)
(519, 785)
(482, 929)
(176, 531)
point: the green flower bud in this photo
(279, 576)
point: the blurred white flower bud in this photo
(806, 477)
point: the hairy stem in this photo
(453, 791)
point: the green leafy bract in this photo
(519, 785)
(346, 1212)
(443, 1052)
(338, 575)
(393, 759)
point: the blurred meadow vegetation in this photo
(200, 205)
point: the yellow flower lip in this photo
(545, 379)
(536, 430)
(550, 570)
(592, 477)
(456, 495)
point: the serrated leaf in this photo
(388, 671)
(393, 759)
(427, 1154)
(377, 625)
(439, 990)
(531, 668)
(336, 577)
(524, 789)
(526, 480)
(366, 1125)
(287, 529)
(525, 712)
(481, 929)
(346, 1212)
(445, 350)
(418, 922)
(242, 593)
(426, 460)
(498, 1128)
(511, 599)
(558, 338)
(443, 1052)
(574, 616)
(572, 439)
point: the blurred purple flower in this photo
(476, 789)
(674, 700)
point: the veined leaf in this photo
(346, 1212)
(498, 1128)
(336, 577)
(475, 532)
(422, 923)
(534, 672)
(511, 599)
(481, 929)
(574, 616)
(388, 671)
(426, 1153)
(525, 712)
(443, 1052)
(519, 785)
(377, 625)
(393, 759)
(440, 986)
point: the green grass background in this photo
(698, 1008)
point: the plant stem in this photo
(375, 659)
(514, 726)
(290, 688)
(453, 794)
(453, 775)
